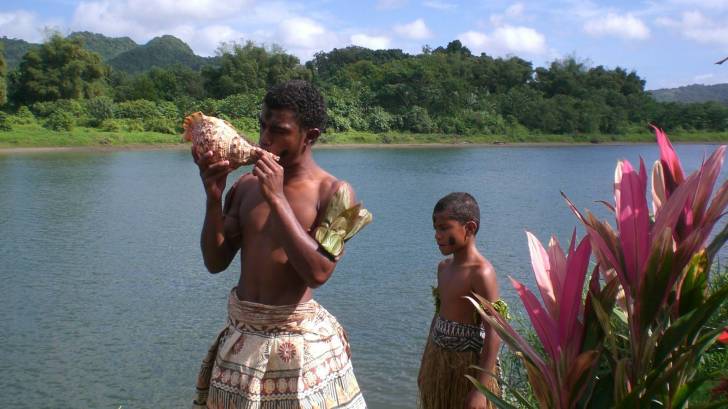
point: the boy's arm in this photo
(485, 284)
(302, 250)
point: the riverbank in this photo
(33, 138)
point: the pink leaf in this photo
(709, 172)
(658, 187)
(633, 218)
(541, 268)
(673, 207)
(558, 266)
(670, 160)
(571, 301)
(543, 324)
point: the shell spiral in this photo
(208, 133)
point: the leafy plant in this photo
(662, 267)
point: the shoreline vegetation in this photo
(36, 138)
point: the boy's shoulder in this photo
(483, 268)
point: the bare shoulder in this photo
(443, 265)
(328, 186)
(484, 280)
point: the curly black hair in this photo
(303, 99)
(460, 206)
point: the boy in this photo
(457, 339)
(280, 348)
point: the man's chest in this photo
(256, 215)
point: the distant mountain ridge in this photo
(121, 53)
(693, 93)
(160, 52)
(107, 47)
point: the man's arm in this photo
(217, 251)
(302, 250)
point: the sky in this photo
(668, 43)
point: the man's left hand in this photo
(270, 178)
(476, 400)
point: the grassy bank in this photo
(35, 136)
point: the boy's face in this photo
(450, 234)
(281, 134)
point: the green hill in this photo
(14, 50)
(107, 47)
(693, 93)
(122, 53)
(161, 51)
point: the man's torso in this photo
(267, 276)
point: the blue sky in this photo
(669, 43)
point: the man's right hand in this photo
(214, 175)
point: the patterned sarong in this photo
(455, 336)
(278, 357)
(451, 349)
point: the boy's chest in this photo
(453, 285)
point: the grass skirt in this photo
(442, 382)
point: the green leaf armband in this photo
(341, 222)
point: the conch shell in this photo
(208, 133)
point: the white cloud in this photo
(301, 32)
(304, 37)
(515, 10)
(698, 27)
(624, 26)
(372, 42)
(439, 5)
(512, 12)
(505, 40)
(416, 30)
(25, 25)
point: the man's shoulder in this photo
(329, 185)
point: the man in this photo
(280, 348)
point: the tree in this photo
(250, 68)
(3, 88)
(59, 69)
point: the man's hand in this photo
(270, 178)
(476, 400)
(214, 175)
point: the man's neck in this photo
(302, 167)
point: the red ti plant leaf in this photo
(669, 159)
(633, 218)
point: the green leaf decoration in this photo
(341, 221)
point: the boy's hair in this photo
(460, 206)
(303, 99)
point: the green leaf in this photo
(513, 390)
(658, 280)
(687, 326)
(695, 283)
(684, 391)
(493, 398)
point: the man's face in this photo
(280, 133)
(450, 234)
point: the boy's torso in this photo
(454, 283)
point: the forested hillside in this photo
(446, 90)
(693, 93)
